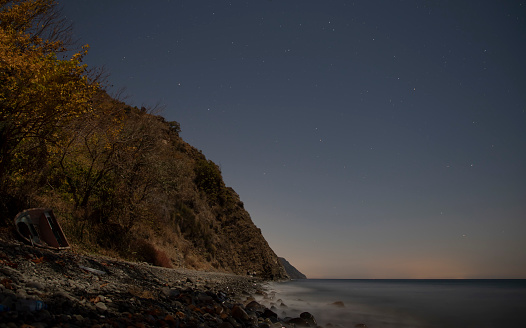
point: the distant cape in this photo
(291, 271)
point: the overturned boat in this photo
(39, 227)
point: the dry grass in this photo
(164, 247)
(161, 259)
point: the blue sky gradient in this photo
(367, 139)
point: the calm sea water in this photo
(404, 303)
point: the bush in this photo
(146, 252)
(112, 236)
(208, 179)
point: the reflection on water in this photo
(404, 303)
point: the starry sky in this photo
(367, 139)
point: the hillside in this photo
(119, 178)
(171, 209)
(292, 272)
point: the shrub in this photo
(112, 236)
(144, 251)
(208, 179)
(161, 259)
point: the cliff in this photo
(119, 178)
(124, 183)
(292, 272)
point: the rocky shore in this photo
(44, 288)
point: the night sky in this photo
(367, 139)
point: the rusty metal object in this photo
(39, 227)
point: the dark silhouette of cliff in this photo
(291, 270)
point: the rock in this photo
(38, 325)
(101, 306)
(64, 295)
(170, 292)
(292, 272)
(64, 318)
(309, 318)
(254, 306)
(276, 325)
(239, 313)
(233, 322)
(226, 325)
(35, 285)
(129, 295)
(338, 304)
(298, 322)
(42, 315)
(203, 297)
(21, 293)
(269, 314)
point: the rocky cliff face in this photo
(132, 187)
(291, 270)
(119, 178)
(226, 238)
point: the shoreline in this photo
(95, 291)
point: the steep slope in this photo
(120, 179)
(126, 184)
(292, 272)
(227, 232)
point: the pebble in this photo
(101, 306)
(35, 285)
(129, 294)
(338, 304)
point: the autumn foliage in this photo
(120, 178)
(114, 172)
(40, 94)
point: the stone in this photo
(203, 297)
(269, 314)
(239, 313)
(254, 306)
(170, 292)
(101, 306)
(298, 322)
(309, 318)
(21, 293)
(63, 294)
(35, 285)
(338, 304)
(42, 315)
(233, 322)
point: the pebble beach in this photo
(44, 288)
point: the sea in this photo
(398, 303)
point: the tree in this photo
(40, 94)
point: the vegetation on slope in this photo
(120, 178)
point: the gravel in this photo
(45, 288)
